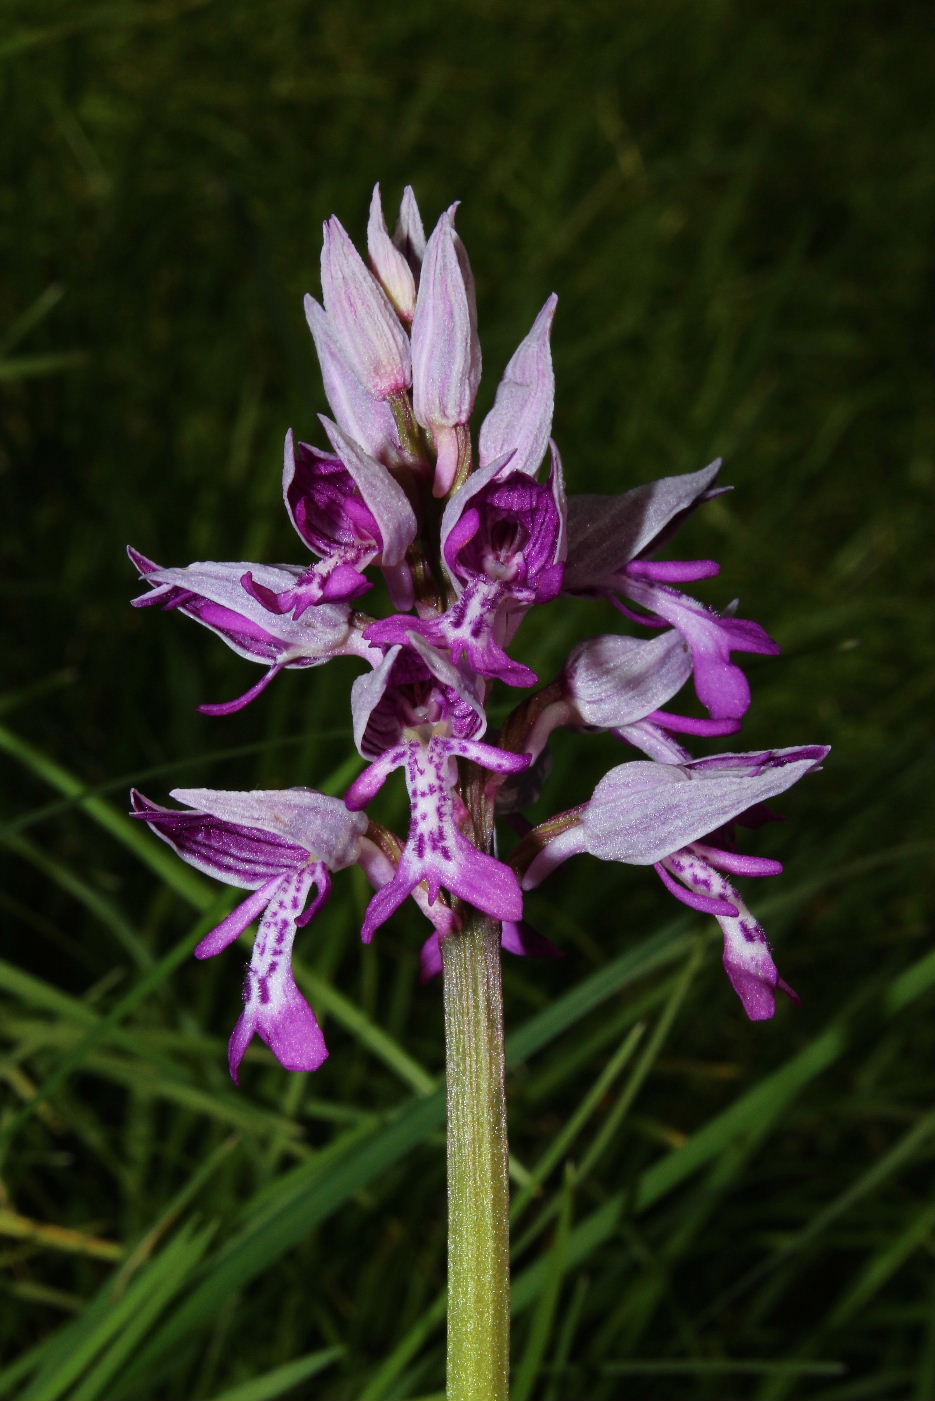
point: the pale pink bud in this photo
(409, 235)
(361, 316)
(388, 262)
(446, 355)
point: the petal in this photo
(557, 483)
(466, 707)
(613, 680)
(692, 725)
(760, 760)
(572, 841)
(274, 1008)
(446, 354)
(382, 494)
(693, 898)
(212, 593)
(240, 702)
(389, 264)
(748, 959)
(318, 825)
(517, 537)
(488, 756)
(453, 535)
(673, 571)
(430, 958)
(521, 416)
(516, 938)
(520, 938)
(436, 851)
(466, 632)
(482, 881)
(388, 900)
(324, 502)
(361, 316)
(409, 234)
(367, 420)
(748, 963)
(653, 739)
(606, 532)
(720, 684)
(366, 694)
(379, 699)
(641, 812)
(239, 853)
(292, 1033)
(365, 787)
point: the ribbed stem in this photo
(478, 1185)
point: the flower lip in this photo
(278, 845)
(437, 851)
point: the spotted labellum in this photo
(467, 530)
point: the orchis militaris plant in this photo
(468, 535)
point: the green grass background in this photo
(731, 202)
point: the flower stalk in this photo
(478, 1185)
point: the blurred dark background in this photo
(733, 204)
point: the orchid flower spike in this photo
(451, 534)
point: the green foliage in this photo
(729, 202)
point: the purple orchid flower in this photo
(211, 593)
(415, 712)
(609, 539)
(281, 846)
(351, 512)
(650, 814)
(502, 538)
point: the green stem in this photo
(478, 1187)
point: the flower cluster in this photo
(467, 536)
